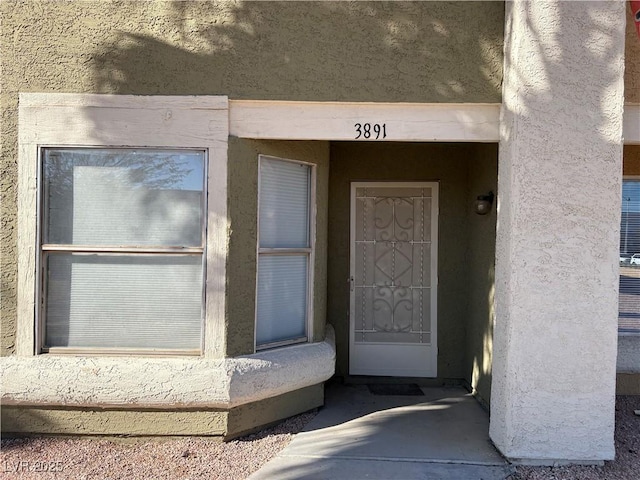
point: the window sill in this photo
(285, 343)
(120, 352)
(153, 382)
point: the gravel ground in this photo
(195, 458)
(172, 459)
(626, 466)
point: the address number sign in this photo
(373, 131)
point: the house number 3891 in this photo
(374, 131)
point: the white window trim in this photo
(311, 250)
(92, 120)
(405, 122)
(425, 122)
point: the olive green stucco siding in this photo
(631, 62)
(465, 245)
(480, 271)
(229, 423)
(313, 51)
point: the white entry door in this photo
(393, 283)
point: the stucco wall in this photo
(480, 259)
(631, 160)
(251, 416)
(555, 333)
(131, 421)
(632, 61)
(346, 51)
(446, 163)
(243, 214)
(358, 51)
(87, 421)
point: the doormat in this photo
(395, 389)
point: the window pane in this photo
(284, 204)
(629, 300)
(141, 301)
(123, 197)
(282, 298)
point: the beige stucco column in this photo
(560, 168)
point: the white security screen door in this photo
(394, 232)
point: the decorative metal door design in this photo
(393, 283)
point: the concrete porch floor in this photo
(441, 435)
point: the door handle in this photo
(351, 283)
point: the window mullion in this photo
(121, 249)
(284, 251)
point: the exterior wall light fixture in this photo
(483, 203)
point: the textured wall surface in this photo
(85, 421)
(228, 423)
(632, 61)
(79, 381)
(346, 51)
(482, 177)
(243, 214)
(561, 147)
(359, 51)
(446, 163)
(249, 416)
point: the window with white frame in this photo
(122, 248)
(285, 252)
(629, 296)
(124, 198)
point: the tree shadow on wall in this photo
(323, 51)
(308, 51)
(551, 80)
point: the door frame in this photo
(435, 211)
